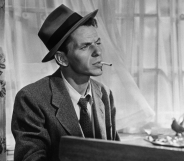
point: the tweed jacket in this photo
(43, 112)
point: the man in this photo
(52, 107)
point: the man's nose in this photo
(97, 51)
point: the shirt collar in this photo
(75, 96)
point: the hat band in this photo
(62, 30)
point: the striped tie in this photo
(85, 120)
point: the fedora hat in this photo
(58, 26)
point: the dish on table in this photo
(165, 140)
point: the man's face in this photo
(85, 53)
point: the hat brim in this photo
(51, 53)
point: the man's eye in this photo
(98, 43)
(84, 47)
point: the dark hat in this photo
(58, 26)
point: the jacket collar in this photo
(61, 100)
(98, 111)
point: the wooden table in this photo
(132, 147)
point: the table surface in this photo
(132, 147)
(138, 139)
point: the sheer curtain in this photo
(24, 52)
(152, 33)
(2, 84)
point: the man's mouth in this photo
(100, 63)
(97, 63)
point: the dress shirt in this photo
(75, 96)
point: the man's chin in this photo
(97, 74)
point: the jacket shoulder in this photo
(36, 87)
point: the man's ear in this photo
(61, 58)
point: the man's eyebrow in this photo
(98, 39)
(89, 43)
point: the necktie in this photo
(85, 120)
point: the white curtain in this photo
(153, 36)
(2, 85)
(141, 38)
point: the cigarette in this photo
(104, 63)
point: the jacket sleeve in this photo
(32, 139)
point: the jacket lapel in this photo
(60, 98)
(98, 112)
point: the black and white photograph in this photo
(91, 80)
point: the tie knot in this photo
(83, 101)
